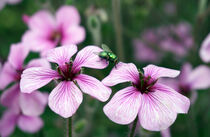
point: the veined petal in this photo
(61, 55)
(124, 106)
(33, 104)
(155, 114)
(7, 123)
(65, 99)
(73, 35)
(39, 63)
(156, 72)
(199, 77)
(171, 98)
(93, 87)
(87, 57)
(17, 55)
(35, 78)
(123, 72)
(67, 15)
(205, 49)
(29, 124)
(8, 74)
(9, 98)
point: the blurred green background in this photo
(136, 16)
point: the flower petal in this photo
(156, 72)
(67, 15)
(7, 123)
(185, 73)
(10, 97)
(124, 106)
(17, 55)
(39, 63)
(73, 35)
(159, 108)
(123, 72)
(30, 124)
(8, 74)
(35, 78)
(87, 58)
(42, 22)
(33, 104)
(199, 77)
(205, 49)
(93, 87)
(65, 99)
(61, 55)
(165, 133)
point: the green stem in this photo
(118, 28)
(133, 129)
(69, 127)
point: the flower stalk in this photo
(133, 128)
(69, 127)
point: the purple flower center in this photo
(66, 72)
(145, 84)
(185, 89)
(56, 36)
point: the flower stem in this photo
(69, 127)
(133, 129)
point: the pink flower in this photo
(205, 49)
(46, 32)
(23, 108)
(155, 104)
(4, 2)
(190, 80)
(66, 96)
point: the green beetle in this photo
(108, 55)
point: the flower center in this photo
(56, 37)
(66, 72)
(184, 90)
(144, 84)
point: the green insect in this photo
(108, 55)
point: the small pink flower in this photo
(12, 117)
(66, 96)
(23, 108)
(190, 80)
(205, 49)
(155, 104)
(46, 32)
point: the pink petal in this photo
(205, 49)
(42, 22)
(73, 35)
(93, 87)
(166, 133)
(17, 55)
(8, 74)
(185, 73)
(65, 99)
(159, 108)
(30, 124)
(37, 42)
(156, 72)
(199, 77)
(124, 106)
(174, 99)
(33, 104)
(10, 97)
(61, 55)
(123, 72)
(35, 78)
(7, 123)
(39, 63)
(87, 57)
(66, 16)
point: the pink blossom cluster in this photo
(175, 39)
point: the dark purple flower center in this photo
(56, 36)
(18, 74)
(145, 84)
(66, 72)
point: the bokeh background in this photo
(128, 27)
